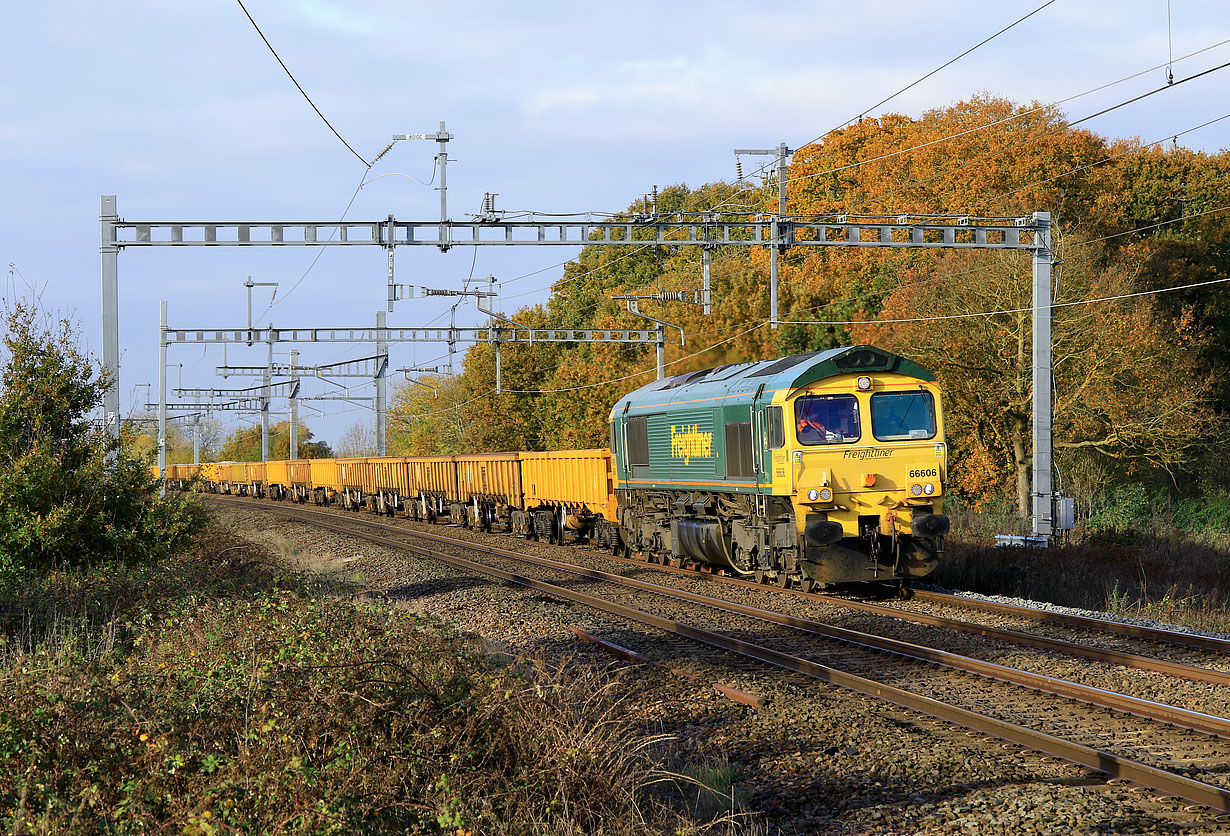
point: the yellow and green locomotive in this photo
(822, 468)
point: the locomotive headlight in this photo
(928, 489)
(916, 489)
(864, 383)
(825, 494)
(813, 495)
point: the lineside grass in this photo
(213, 694)
(1157, 571)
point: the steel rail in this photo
(1147, 709)
(1084, 622)
(1101, 654)
(1110, 656)
(1167, 782)
(1196, 721)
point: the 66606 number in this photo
(924, 473)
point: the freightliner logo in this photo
(688, 442)
(867, 454)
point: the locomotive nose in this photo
(930, 525)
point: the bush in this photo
(69, 495)
(1205, 517)
(211, 694)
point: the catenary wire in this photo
(320, 251)
(988, 155)
(298, 86)
(1016, 117)
(1136, 150)
(921, 79)
(982, 314)
(1021, 115)
(1068, 125)
(902, 151)
(651, 244)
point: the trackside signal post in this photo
(1030, 234)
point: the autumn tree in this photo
(1128, 388)
(141, 438)
(1139, 383)
(244, 444)
(433, 418)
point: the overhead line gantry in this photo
(775, 231)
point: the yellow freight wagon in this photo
(569, 489)
(431, 482)
(209, 475)
(489, 488)
(386, 481)
(350, 474)
(257, 484)
(276, 480)
(324, 480)
(572, 479)
(299, 479)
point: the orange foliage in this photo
(1133, 377)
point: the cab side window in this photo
(775, 426)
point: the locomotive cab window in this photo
(775, 427)
(902, 416)
(826, 419)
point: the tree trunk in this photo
(1021, 464)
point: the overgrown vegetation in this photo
(212, 693)
(1131, 553)
(145, 687)
(69, 495)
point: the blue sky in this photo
(180, 111)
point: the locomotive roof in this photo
(789, 372)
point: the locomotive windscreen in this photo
(826, 419)
(899, 416)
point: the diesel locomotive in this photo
(821, 468)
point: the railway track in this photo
(1102, 732)
(1200, 649)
